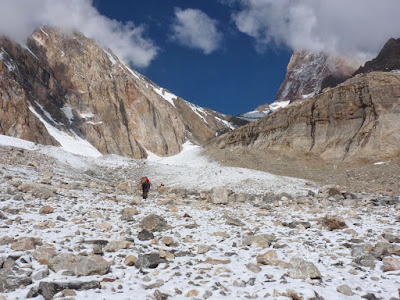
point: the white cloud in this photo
(194, 29)
(354, 28)
(18, 18)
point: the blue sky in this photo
(234, 77)
(227, 55)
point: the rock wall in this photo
(356, 121)
(83, 89)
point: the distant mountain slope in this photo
(356, 121)
(69, 84)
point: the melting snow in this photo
(68, 113)
(71, 144)
(278, 104)
(198, 111)
(165, 94)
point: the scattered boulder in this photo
(79, 265)
(128, 213)
(390, 264)
(203, 249)
(114, 246)
(26, 243)
(47, 209)
(145, 235)
(49, 289)
(44, 254)
(303, 269)
(220, 195)
(213, 261)
(262, 240)
(11, 281)
(167, 240)
(345, 290)
(149, 261)
(333, 223)
(232, 221)
(154, 222)
(130, 260)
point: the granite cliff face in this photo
(68, 82)
(355, 121)
(308, 73)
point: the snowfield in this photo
(246, 248)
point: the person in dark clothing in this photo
(145, 182)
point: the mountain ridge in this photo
(89, 92)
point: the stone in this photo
(44, 254)
(220, 195)
(114, 246)
(49, 289)
(267, 258)
(213, 261)
(221, 270)
(192, 293)
(390, 264)
(136, 200)
(167, 240)
(263, 240)
(345, 290)
(26, 243)
(333, 223)
(80, 265)
(232, 221)
(203, 249)
(130, 260)
(303, 269)
(127, 213)
(157, 284)
(2, 216)
(145, 235)
(40, 275)
(103, 226)
(46, 210)
(149, 261)
(160, 296)
(154, 222)
(253, 268)
(10, 282)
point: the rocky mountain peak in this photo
(387, 60)
(65, 84)
(306, 72)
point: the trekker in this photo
(145, 182)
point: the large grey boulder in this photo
(303, 269)
(79, 265)
(154, 222)
(220, 195)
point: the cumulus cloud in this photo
(18, 18)
(194, 29)
(353, 28)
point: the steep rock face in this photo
(306, 72)
(356, 121)
(74, 85)
(387, 60)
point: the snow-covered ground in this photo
(89, 196)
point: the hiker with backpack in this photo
(145, 182)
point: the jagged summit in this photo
(387, 60)
(307, 71)
(68, 84)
